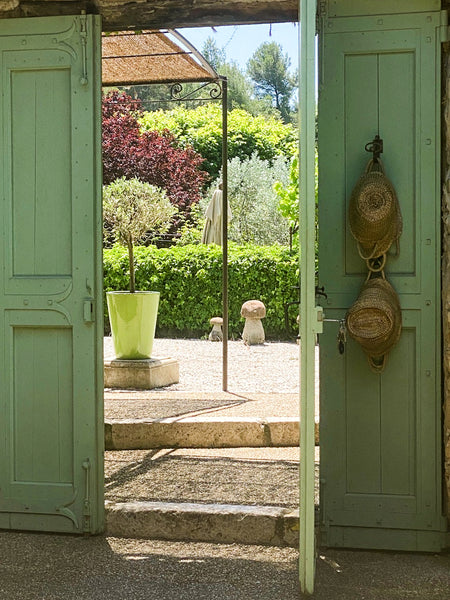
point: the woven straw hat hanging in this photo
(374, 212)
(375, 320)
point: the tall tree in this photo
(240, 88)
(269, 70)
(215, 56)
(240, 92)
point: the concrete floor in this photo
(57, 567)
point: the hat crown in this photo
(375, 318)
(374, 212)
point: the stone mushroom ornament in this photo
(253, 311)
(216, 334)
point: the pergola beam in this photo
(156, 14)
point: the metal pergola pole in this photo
(225, 232)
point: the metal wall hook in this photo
(375, 146)
(320, 291)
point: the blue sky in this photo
(241, 41)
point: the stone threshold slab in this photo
(203, 432)
(162, 395)
(218, 523)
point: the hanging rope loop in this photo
(376, 265)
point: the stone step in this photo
(229, 495)
(202, 432)
(198, 522)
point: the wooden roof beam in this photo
(156, 14)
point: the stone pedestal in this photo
(141, 374)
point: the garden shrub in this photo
(152, 157)
(189, 279)
(256, 218)
(288, 196)
(201, 128)
(131, 210)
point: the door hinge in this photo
(87, 496)
(83, 39)
(444, 29)
(322, 10)
(444, 34)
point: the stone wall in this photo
(446, 263)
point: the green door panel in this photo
(380, 434)
(51, 471)
(39, 131)
(348, 8)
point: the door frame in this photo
(310, 315)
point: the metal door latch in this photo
(342, 333)
(88, 310)
(342, 336)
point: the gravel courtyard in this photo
(269, 368)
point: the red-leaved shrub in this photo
(150, 156)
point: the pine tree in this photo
(269, 70)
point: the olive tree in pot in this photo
(131, 209)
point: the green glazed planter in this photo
(133, 322)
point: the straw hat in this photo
(375, 320)
(374, 212)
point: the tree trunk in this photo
(131, 260)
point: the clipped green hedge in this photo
(189, 279)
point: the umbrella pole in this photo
(225, 232)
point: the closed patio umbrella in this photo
(212, 232)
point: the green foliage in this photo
(269, 69)
(240, 88)
(254, 202)
(159, 96)
(214, 55)
(288, 197)
(189, 279)
(202, 129)
(132, 208)
(191, 231)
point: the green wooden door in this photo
(380, 434)
(50, 344)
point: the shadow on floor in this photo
(167, 477)
(57, 567)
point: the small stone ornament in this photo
(253, 311)
(216, 334)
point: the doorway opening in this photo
(252, 417)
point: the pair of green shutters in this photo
(380, 436)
